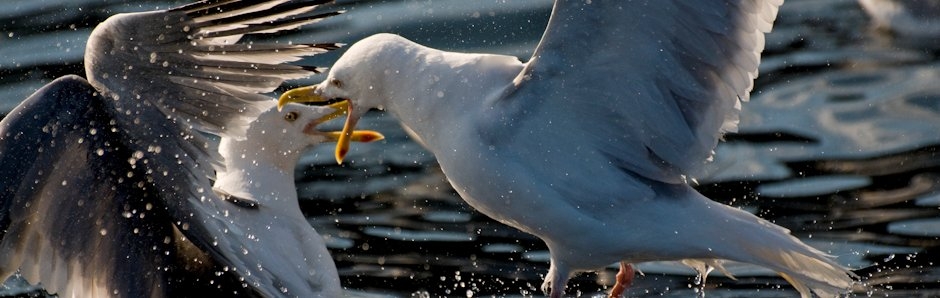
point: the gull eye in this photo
(291, 116)
(337, 83)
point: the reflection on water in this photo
(839, 144)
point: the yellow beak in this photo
(309, 94)
(341, 109)
(364, 136)
(300, 95)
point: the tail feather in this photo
(813, 273)
(806, 268)
(705, 266)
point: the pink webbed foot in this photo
(624, 280)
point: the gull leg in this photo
(556, 280)
(624, 280)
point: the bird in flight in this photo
(590, 143)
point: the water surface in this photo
(839, 144)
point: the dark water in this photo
(839, 144)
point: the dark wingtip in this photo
(201, 5)
(314, 69)
(278, 24)
(327, 46)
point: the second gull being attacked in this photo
(106, 184)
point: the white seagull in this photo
(105, 184)
(588, 145)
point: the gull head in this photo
(280, 135)
(358, 81)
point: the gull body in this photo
(588, 145)
(259, 171)
(106, 184)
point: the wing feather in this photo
(231, 9)
(201, 5)
(657, 83)
(138, 55)
(75, 210)
(272, 53)
(93, 205)
(126, 139)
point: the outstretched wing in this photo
(89, 208)
(171, 72)
(186, 60)
(93, 169)
(652, 85)
(81, 211)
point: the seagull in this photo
(590, 144)
(106, 184)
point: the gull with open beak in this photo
(589, 144)
(343, 106)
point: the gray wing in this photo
(83, 210)
(89, 208)
(87, 167)
(652, 85)
(189, 57)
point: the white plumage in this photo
(588, 145)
